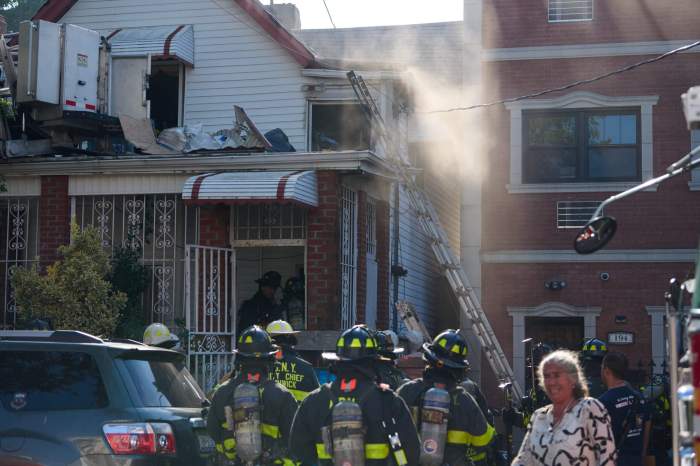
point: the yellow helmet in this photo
(280, 327)
(158, 334)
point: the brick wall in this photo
(214, 226)
(383, 267)
(54, 217)
(528, 221)
(361, 256)
(523, 23)
(322, 256)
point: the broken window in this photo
(164, 93)
(339, 126)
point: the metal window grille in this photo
(348, 256)
(570, 10)
(158, 225)
(575, 214)
(19, 247)
(371, 225)
(256, 222)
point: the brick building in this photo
(555, 157)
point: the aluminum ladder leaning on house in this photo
(427, 216)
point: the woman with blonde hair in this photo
(575, 429)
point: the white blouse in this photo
(583, 437)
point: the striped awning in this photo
(176, 42)
(298, 187)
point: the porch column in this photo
(322, 265)
(54, 218)
(383, 269)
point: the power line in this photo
(329, 13)
(571, 85)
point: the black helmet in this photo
(271, 279)
(385, 344)
(354, 344)
(449, 349)
(255, 343)
(594, 348)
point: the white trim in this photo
(19, 186)
(658, 334)
(549, 309)
(577, 100)
(610, 49)
(548, 256)
(125, 184)
(342, 74)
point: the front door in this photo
(210, 312)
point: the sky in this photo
(355, 13)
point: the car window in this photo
(50, 380)
(164, 383)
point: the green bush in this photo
(74, 293)
(130, 277)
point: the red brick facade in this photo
(214, 226)
(322, 277)
(383, 264)
(664, 219)
(54, 217)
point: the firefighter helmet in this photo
(280, 327)
(594, 348)
(271, 279)
(387, 342)
(158, 334)
(448, 349)
(255, 343)
(354, 344)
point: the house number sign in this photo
(620, 338)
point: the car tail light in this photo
(143, 438)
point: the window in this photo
(581, 145)
(164, 383)
(338, 127)
(570, 10)
(43, 381)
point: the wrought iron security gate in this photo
(348, 256)
(209, 302)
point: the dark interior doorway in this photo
(164, 94)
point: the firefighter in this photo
(592, 353)
(262, 308)
(160, 335)
(290, 370)
(263, 410)
(387, 372)
(352, 420)
(462, 435)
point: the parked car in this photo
(69, 398)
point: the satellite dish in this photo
(595, 234)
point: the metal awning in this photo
(176, 42)
(298, 187)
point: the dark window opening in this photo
(339, 127)
(581, 146)
(164, 94)
(50, 381)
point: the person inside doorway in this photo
(262, 308)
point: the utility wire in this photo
(329, 13)
(571, 85)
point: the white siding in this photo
(236, 62)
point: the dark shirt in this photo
(618, 401)
(258, 310)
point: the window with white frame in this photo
(338, 126)
(570, 145)
(569, 10)
(580, 142)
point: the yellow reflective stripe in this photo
(483, 439)
(224, 425)
(219, 448)
(458, 437)
(376, 451)
(229, 444)
(355, 343)
(298, 394)
(230, 455)
(321, 452)
(270, 430)
(400, 457)
(478, 457)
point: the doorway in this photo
(164, 93)
(288, 261)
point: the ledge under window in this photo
(536, 188)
